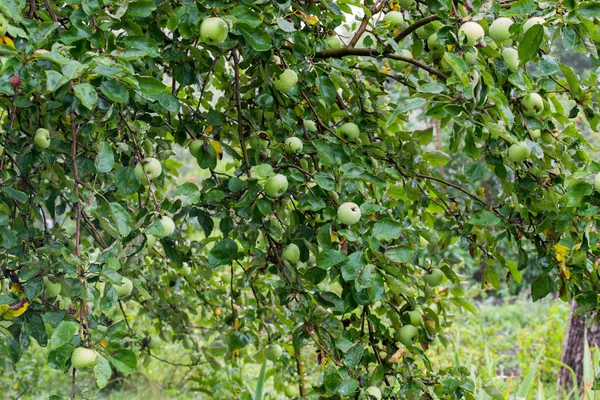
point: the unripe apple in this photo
(168, 227)
(333, 42)
(349, 131)
(52, 289)
(511, 58)
(547, 137)
(435, 47)
(310, 125)
(398, 65)
(407, 4)
(394, 18)
(286, 81)
(499, 30)
(434, 277)
(152, 167)
(519, 152)
(42, 138)
(125, 288)
(83, 359)
(291, 253)
(535, 133)
(293, 145)
(470, 33)
(374, 392)
(532, 105)
(597, 182)
(415, 317)
(276, 185)
(425, 31)
(291, 391)
(195, 147)
(213, 30)
(533, 21)
(3, 25)
(273, 352)
(408, 335)
(348, 213)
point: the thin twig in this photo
(238, 106)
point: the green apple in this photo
(83, 359)
(273, 352)
(408, 335)
(310, 125)
(213, 30)
(374, 392)
(168, 227)
(291, 390)
(3, 25)
(597, 182)
(349, 213)
(195, 147)
(470, 33)
(435, 47)
(394, 18)
(398, 65)
(291, 253)
(434, 277)
(536, 133)
(152, 167)
(415, 317)
(293, 145)
(333, 42)
(42, 138)
(547, 137)
(125, 288)
(499, 29)
(52, 289)
(533, 21)
(532, 105)
(150, 240)
(407, 4)
(286, 81)
(519, 152)
(349, 131)
(425, 31)
(511, 58)
(276, 185)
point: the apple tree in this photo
(318, 236)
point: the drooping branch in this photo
(364, 52)
(365, 21)
(410, 29)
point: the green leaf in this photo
(485, 218)
(327, 88)
(328, 258)
(577, 191)
(141, 8)
(541, 287)
(386, 230)
(461, 69)
(530, 44)
(589, 9)
(105, 159)
(114, 90)
(189, 193)
(436, 158)
(354, 263)
(572, 80)
(86, 94)
(54, 80)
(63, 334)
(404, 107)
(124, 360)
(222, 253)
(400, 254)
(126, 181)
(150, 86)
(325, 181)
(102, 372)
(258, 39)
(245, 16)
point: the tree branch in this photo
(407, 31)
(238, 106)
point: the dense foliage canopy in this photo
(324, 221)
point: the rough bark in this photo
(573, 349)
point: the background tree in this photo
(321, 233)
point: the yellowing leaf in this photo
(103, 342)
(208, 129)
(236, 324)
(218, 311)
(16, 288)
(218, 149)
(9, 312)
(395, 6)
(561, 253)
(312, 19)
(7, 41)
(334, 237)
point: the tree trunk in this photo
(573, 349)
